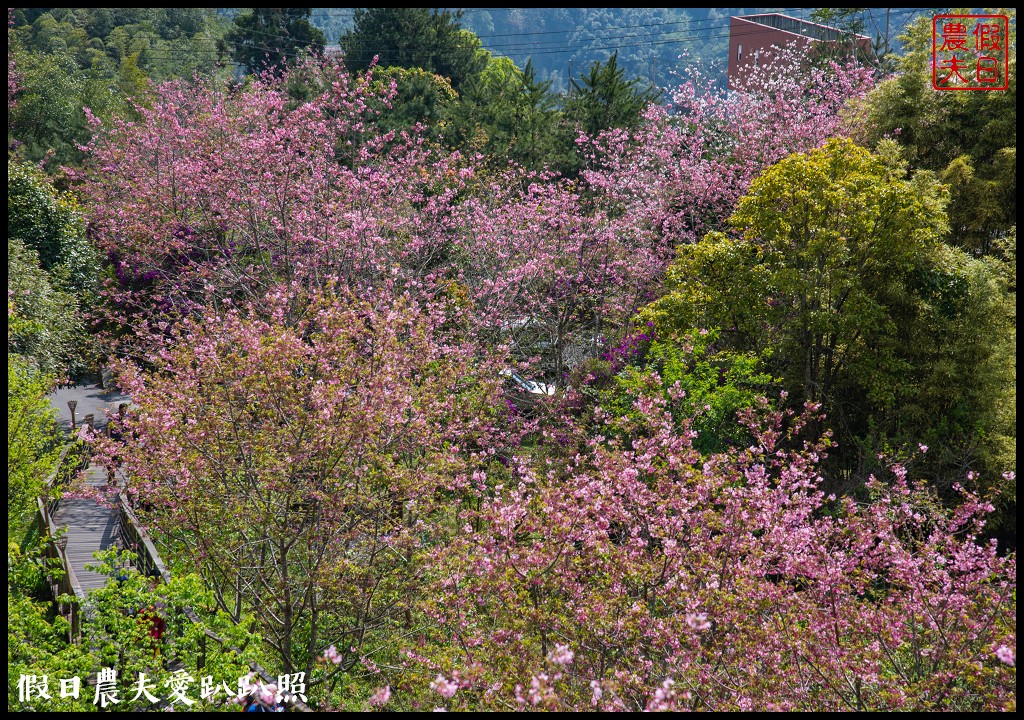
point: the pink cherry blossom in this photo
(381, 696)
(562, 655)
(1006, 655)
(444, 687)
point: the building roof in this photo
(796, 26)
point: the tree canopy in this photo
(838, 271)
(264, 38)
(603, 99)
(432, 40)
(970, 138)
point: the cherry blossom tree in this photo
(220, 194)
(217, 195)
(550, 274)
(293, 465)
(640, 575)
(684, 170)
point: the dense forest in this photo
(501, 360)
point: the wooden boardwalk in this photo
(91, 526)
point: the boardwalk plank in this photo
(91, 527)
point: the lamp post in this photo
(72, 404)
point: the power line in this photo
(688, 22)
(482, 36)
(540, 48)
(544, 45)
(540, 45)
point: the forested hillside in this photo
(73, 58)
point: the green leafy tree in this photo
(47, 118)
(536, 120)
(970, 140)
(509, 115)
(420, 97)
(51, 274)
(269, 37)
(44, 325)
(37, 641)
(37, 644)
(603, 99)
(431, 40)
(600, 100)
(119, 633)
(837, 273)
(702, 384)
(116, 634)
(70, 59)
(31, 441)
(968, 137)
(484, 118)
(49, 222)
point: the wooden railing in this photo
(147, 558)
(67, 583)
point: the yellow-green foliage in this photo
(837, 275)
